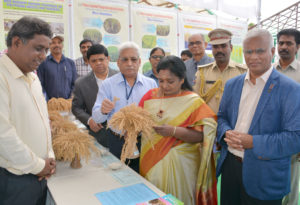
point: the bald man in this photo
(197, 47)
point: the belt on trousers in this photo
(114, 133)
(237, 158)
(118, 135)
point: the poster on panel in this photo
(55, 12)
(191, 24)
(239, 30)
(102, 22)
(154, 27)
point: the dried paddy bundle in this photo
(55, 116)
(132, 120)
(67, 145)
(60, 104)
(62, 126)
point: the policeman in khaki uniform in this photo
(211, 78)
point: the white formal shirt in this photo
(249, 99)
(25, 135)
(99, 81)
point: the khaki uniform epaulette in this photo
(205, 65)
(241, 66)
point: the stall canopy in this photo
(239, 8)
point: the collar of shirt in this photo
(201, 61)
(52, 58)
(292, 66)
(83, 63)
(99, 81)
(264, 77)
(16, 72)
(120, 78)
(150, 74)
(231, 64)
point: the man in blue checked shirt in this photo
(129, 86)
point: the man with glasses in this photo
(197, 47)
(287, 47)
(120, 90)
(214, 75)
(258, 128)
(81, 63)
(86, 89)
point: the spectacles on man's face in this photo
(132, 59)
(195, 43)
(157, 57)
(258, 51)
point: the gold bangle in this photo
(174, 131)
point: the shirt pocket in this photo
(68, 74)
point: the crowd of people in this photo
(213, 116)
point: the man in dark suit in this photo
(258, 128)
(86, 89)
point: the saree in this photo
(186, 170)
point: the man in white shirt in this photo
(128, 86)
(287, 47)
(26, 155)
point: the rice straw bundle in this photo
(60, 104)
(55, 116)
(67, 145)
(132, 120)
(62, 126)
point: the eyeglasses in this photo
(195, 43)
(132, 59)
(258, 51)
(157, 57)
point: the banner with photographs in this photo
(55, 12)
(191, 24)
(154, 27)
(102, 23)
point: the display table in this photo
(79, 186)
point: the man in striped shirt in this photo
(81, 63)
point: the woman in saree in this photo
(179, 160)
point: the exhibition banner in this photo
(192, 24)
(103, 23)
(154, 27)
(55, 12)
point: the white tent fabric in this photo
(238, 8)
(206, 4)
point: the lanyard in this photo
(130, 92)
